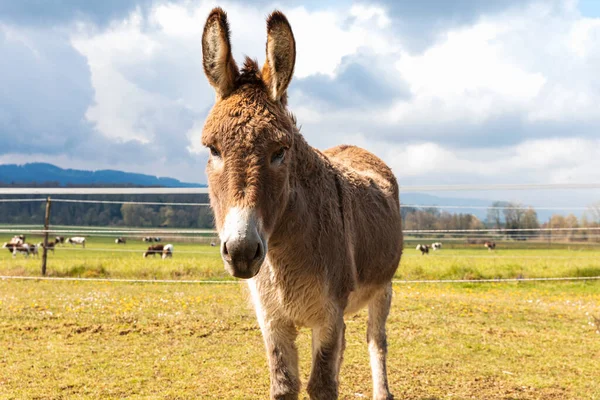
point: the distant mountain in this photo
(43, 173)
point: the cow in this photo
(423, 248)
(120, 240)
(22, 248)
(60, 239)
(167, 251)
(490, 245)
(148, 239)
(76, 240)
(33, 249)
(17, 240)
(436, 246)
(154, 250)
(50, 245)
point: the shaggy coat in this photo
(317, 234)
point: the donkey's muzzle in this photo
(243, 258)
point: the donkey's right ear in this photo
(219, 66)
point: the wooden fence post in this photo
(46, 227)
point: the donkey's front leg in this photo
(283, 359)
(328, 346)
(379, 308)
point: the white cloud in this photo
(532, 161)
(536, 66)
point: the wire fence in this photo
(229, 282)
(474, 236)
(403, 205)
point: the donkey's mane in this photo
(250, 73)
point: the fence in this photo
(457, 235)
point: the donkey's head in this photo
(250, 136)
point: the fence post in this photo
(46, 227)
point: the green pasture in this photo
(91, 339)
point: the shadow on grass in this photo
(585, 272)
(83, 271)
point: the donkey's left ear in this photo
(281, 56)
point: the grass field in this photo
(179, 341)
(103, 258)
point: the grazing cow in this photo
(157, 239)
(436, 246)
(148, 239)
(154, 250)
(77, 240)
(167, 251)
(212, 244)
(9, 246)
(316, 233)
(50, 246)
(33, 249)
(120, 240)
(490, 245)
(60, 239)
(17, 240)
(423, 248)
(22, 248)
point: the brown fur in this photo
(332, 218)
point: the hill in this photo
(43, 173)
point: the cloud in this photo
(49, 13)
(443, 91)
(524, 74)
(40, 75)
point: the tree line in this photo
(99, 214)
(517, 221)
(509, 216)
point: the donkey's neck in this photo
(313, 207)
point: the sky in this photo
(461, 92)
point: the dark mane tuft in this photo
(250, 72)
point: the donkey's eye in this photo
(214, 152)
(278, 156)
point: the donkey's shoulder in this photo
(360, 166)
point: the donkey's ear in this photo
(281, 56)
(219, 65)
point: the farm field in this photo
(102, 258)
(178, 341)
(74, 339)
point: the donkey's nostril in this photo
(225, 252)
(258, 253)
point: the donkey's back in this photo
(371, 213)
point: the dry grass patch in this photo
(107, 340)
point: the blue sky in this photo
(474, 91)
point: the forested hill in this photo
(42, 174)
(98, 214)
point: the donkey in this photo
(316, 234)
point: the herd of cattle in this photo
(424, 249)
(18, 245)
